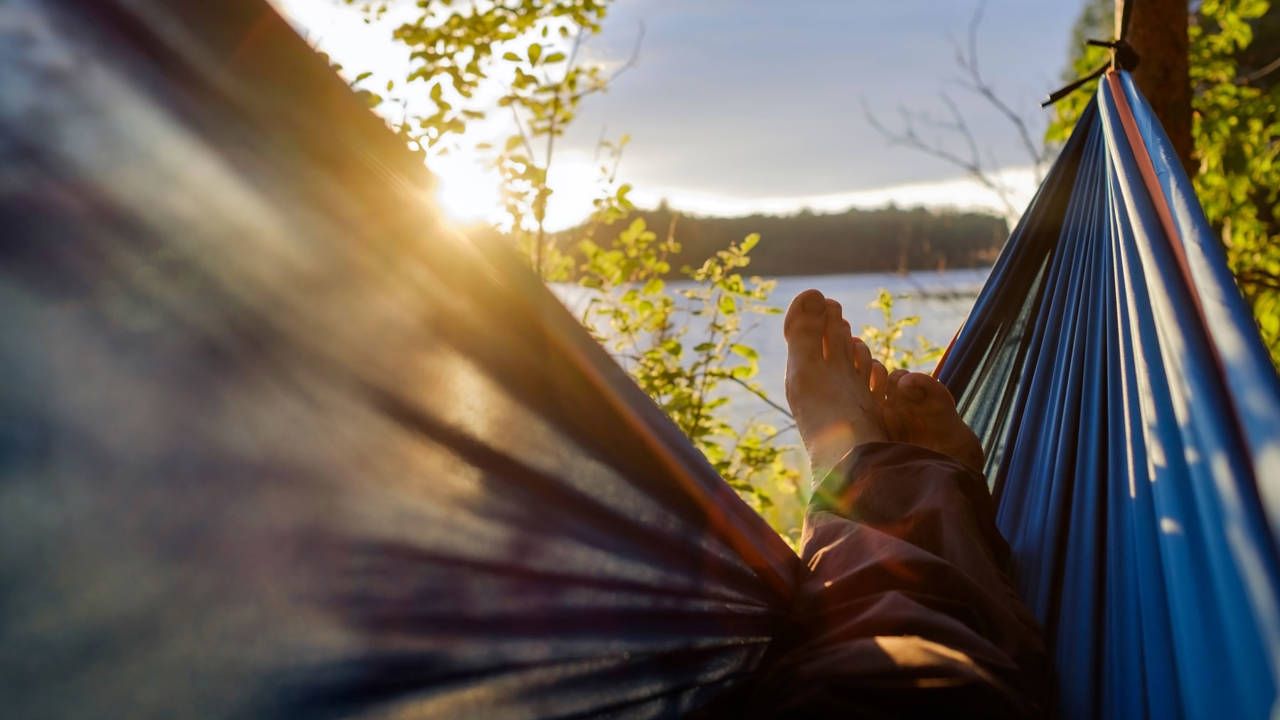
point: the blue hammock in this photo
(1132, 420)
(252, 464)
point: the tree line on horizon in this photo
(889, 239)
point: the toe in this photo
(839, 342)
(879, 379)
(805, 308)
(923, 390)
(895, 378)
(804, 325)
(862, 360)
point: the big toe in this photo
(925, 393)
(804, 324)
(929, 417)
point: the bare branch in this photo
(1260, 279)
(635, 53)
(774, 436)
(1262, 72)
(958, 121)
(972, 166)
(760, 394)
(972, 163)
(975, 82)
(524, 136)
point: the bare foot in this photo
(828, 382)
(920, 410)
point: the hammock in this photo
(1131, 417)
(275, 442)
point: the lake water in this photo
(941, 299)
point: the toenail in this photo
(814, 304)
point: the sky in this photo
(740, 106)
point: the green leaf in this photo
(745, 351)
(750, 241)
(535, 52)
(362, 76)
(554, 57)
(510, 56)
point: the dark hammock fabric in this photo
(1131, 418)
(274, 442)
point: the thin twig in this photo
(1262, 72)
(774, 436)
(978, 84)
(973, 164)
(524, 137)
(762, 396)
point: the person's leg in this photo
(906, 608)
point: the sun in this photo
(467, 190)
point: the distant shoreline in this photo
(888, 240)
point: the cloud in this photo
(960, 193)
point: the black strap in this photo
(1123, 57)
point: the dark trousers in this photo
(907, 609)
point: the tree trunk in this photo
(1158, 33)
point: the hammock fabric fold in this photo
(1132, 421)
(275, 442)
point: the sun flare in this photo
(468, 190)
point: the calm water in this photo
(941, 299)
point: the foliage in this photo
(683, 345)
(684, 348)
(529, 49)
(1236, 126)
(885, 342)
(1236, 132)
(525, 50)
(453, 45)
(1096, 21)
